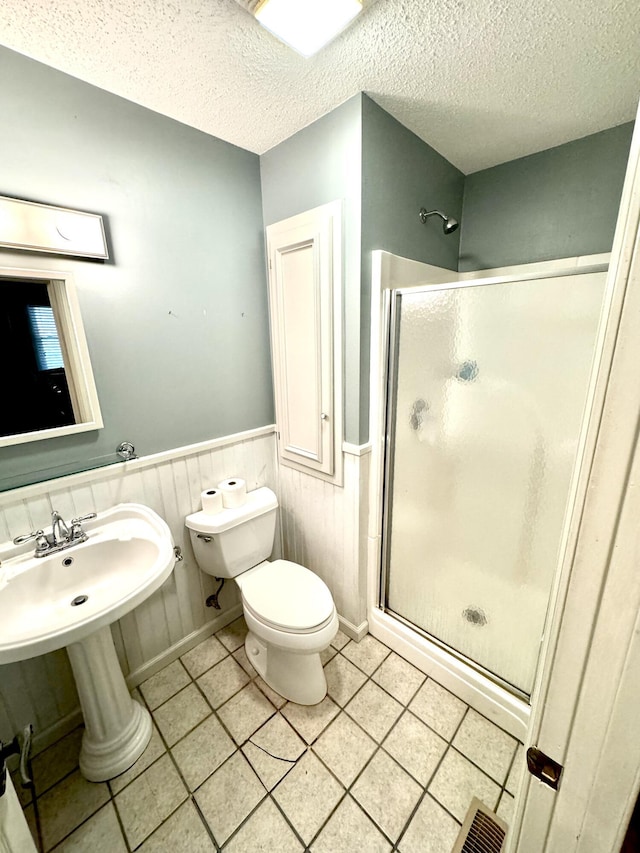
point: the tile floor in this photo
(388, 761)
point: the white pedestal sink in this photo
(70, 599)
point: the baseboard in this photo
(182, 647)
(45, 739)
(355, 632)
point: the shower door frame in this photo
(477, 686)
(391, 311)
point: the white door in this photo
(304, 301)
(586, 705)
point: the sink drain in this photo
(79, 599)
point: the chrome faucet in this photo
(59, 531)
(62, 535)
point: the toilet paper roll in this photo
(211, 501)
(234, 492)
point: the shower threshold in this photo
(500, 702)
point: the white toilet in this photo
(289, 610)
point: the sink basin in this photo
(70, 598)
(128, 555)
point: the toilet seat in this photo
(287, 597)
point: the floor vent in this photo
(482, 831)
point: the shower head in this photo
(449, 224)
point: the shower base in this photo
(498, 704)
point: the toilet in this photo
(288, 609)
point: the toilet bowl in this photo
(288, 609)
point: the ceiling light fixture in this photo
(306, 25)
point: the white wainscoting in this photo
(175, 618)
(324, 527)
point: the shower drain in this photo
(475, 615)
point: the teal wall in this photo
(320, 164)
(177, 321)
(558, 203)
(401, 174)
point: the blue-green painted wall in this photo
(320, 164)
(401, 174)
(559, 203)
(177, 322)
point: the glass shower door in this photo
(487, 391)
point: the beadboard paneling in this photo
(42, 690)
(324, 528)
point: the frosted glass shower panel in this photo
(486, 410)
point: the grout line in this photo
(287, 821)
(82, 823)
(36, 814)
(208, 829)
(120, 823)
(425, 792)
(161, 824)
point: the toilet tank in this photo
(231, 541)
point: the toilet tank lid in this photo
(258, 502)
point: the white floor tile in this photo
(345, 748)
(222, 681)
(343, 679)
(489, 747)
(100, 834)
(374, 710)
(399, 678)
(310, 720)
(457, 781)
(367, 655)
(387, 794)
(266, 831)
(245, 712)
(415, 746)
(176, 717)
(202, 751)
(204, 656)
(183, 832)
(164, 684)
(67, 805)
(227, 797)
(349, 830)
(438, 708)
(233, 636)
(431, 830)
(149, 800)
(308, 795)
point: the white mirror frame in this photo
(33, 227)
(64, 301)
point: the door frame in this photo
(588, 690)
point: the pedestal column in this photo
(117, 728)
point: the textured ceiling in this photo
(482, 81)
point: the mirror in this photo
(49, 384)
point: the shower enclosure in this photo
(487, 384)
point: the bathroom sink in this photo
(70, 598)
(49, 602)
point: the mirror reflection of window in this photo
(35, 388)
